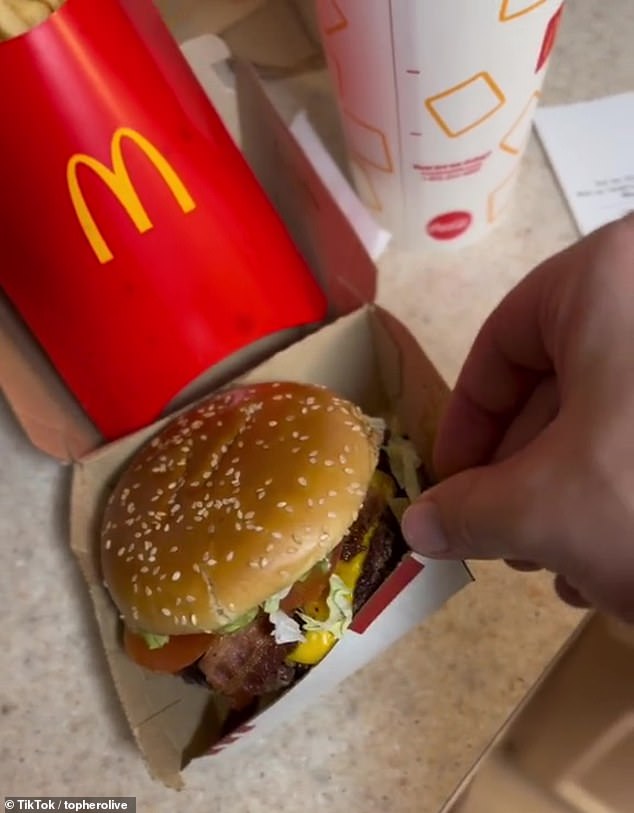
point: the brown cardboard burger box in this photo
(569, 746)
(363, 353)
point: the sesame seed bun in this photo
(233, 502)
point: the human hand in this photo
(535, 452)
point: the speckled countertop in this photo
(401, 733)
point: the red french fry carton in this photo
(135, 242)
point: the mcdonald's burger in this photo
(242, 539)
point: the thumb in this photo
(482, 513)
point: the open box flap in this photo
(51, 416)
(279, 37)
(369, 357)
(190, 18)
(320, 229)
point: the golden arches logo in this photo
(117, 179)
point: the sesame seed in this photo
(249, 515)
(196, 567)
(288, 509)
(121, 551)
(329, 463)
(264, 561)
(254, 564)
(190, 599)
(165, 611)
(156, 570)
(290, 418)
(268, 482)
(148, 545)
(148, 591)
(324, 536)
(310, 502)
(193, 619)
(304, 437)
(302, 481)
(145, 569)
(176, 575)
(131, 508)
(232, 606)
(348, 470)
(332, 515)
(108, 544)
(177, 620)
(277, 535)
(229, 556)
(270, 547)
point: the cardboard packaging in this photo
(364, 353)
(135, 241)
(569, 748)
(436, 101)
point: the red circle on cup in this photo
(449, 225)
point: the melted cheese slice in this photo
(317, 644)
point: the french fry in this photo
(11, 25)
(20, 16)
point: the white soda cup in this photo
(437, 100)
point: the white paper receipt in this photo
(591, 148)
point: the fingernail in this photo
(423, 530)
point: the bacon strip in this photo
(247, 662)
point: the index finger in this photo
(510, 355)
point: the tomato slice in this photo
(178, 653)
(313, 588)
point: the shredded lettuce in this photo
(285, 629)
(398, 506)
(241, 622)
(378, 424)
(339, 603)
(154, 641)
(404, 463)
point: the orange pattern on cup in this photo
(500, 197)
(365, 186)
(509, 10)
(339, 22)
(515, 138)
(369, 143)
(479, 82)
